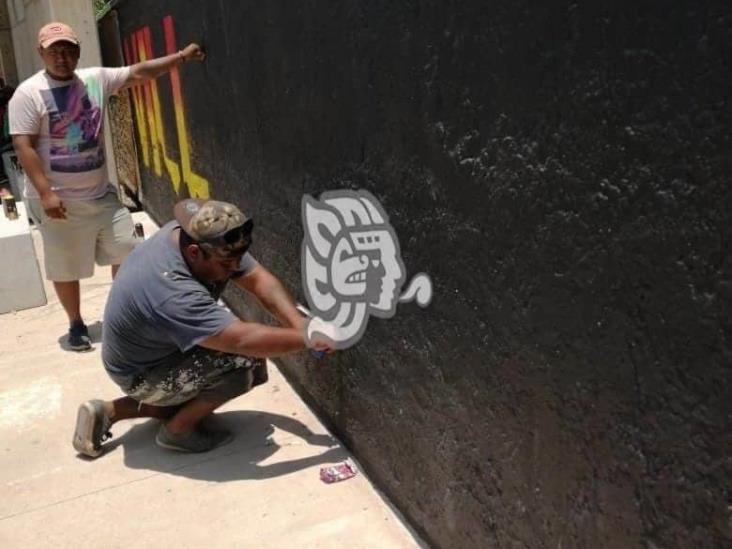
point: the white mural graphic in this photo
(352, 266)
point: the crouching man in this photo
(172, 349)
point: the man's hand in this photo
(321, 335)
(193, 52)
(52, 205)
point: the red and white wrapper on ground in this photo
(338, 472)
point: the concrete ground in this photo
(263, 490)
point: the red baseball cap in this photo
(56, 32)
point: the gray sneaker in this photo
(195, 441)
(92, 428)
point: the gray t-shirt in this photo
(157, 310)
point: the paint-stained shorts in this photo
(100, 229)
(203, 373)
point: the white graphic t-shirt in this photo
(67, 116)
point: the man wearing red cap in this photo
(56, 120)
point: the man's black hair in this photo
(186, 240)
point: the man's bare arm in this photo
(148, 70)
(257, 340)
(273, 296)
(25, 148)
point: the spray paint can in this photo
(317, 355)
(139, 231)
(9, 207)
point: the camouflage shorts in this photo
(206, 374)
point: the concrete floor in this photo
(263, 490)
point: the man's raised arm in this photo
(147, 70)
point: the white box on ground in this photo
(21, 285)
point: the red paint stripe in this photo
(150, 87)
(133, 43)
(170, 47)
(129, 60)
(147, 87)
(148, 42)
(127, 52)
(169, 31)
(139, 91)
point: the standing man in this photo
(171, 348)
(56, 120)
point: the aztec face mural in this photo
(351, 263)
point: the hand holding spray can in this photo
(317, 355)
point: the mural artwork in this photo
(352, 266)
(150, 123)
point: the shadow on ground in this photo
(239, 460)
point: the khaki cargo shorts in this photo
(99, 229)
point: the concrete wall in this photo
(7, 52)
(26, 17)
(562, 172)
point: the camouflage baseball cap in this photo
(220, 225)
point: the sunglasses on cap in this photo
(232, 243)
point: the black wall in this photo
(562, 173)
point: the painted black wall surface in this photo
(562, 172)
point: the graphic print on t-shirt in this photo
(74, 124)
